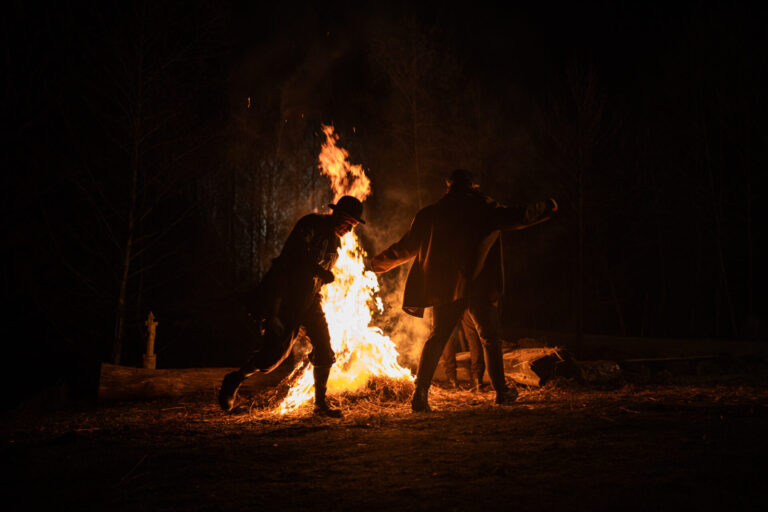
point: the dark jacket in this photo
(457, 245)
(297, 274)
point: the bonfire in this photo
(366, 359)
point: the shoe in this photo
(228, 391)
(327, 412)
(506, 397)
(419, 401)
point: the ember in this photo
(362, 350)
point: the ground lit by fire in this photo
(696, 446)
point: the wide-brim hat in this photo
(349, 206)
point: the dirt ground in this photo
(698, 444)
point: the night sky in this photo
(200, 121)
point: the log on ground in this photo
(527, 366)
(127, 383)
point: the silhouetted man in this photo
(458, 267)
(289, 297)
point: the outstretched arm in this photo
(521, 217)
(398, 253)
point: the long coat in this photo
(294, 280)
(456, 244)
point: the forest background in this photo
(158, 154)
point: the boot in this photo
(494, 362)
(507, 397)
(419, 402)
(321, 406)
(228, 390)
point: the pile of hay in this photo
(380, 393)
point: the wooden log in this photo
(128, 383)
(675, 365)
(523, 365)
(526, 365)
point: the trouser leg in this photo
(486, 319)
(445, 319)
(449, 360)
(320, 374)
(477, 369)
(317, 331)
(322, 357)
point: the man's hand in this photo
(326, 276)
(375, 264)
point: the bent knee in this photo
(322, 358)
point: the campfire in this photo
(363, 353)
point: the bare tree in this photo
(573, 128)
(424, 75)
(139, 96)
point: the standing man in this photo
(289, 297)
(458, 268)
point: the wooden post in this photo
(150, 359)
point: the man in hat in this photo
(289, 297)
(458, 268)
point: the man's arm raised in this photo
(521, 217)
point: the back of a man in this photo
(458, 268)
(467, 239)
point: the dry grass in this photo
(384, 401)
(388, 398)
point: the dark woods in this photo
(159, 152)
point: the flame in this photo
(346, 179)
(362, 350)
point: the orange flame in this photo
(346, 179)
(362, 350)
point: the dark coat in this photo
(297, 274)
(456, 244)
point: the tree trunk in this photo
(580, 270)
(117, 344)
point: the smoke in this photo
(388, 214)
(407, 332)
